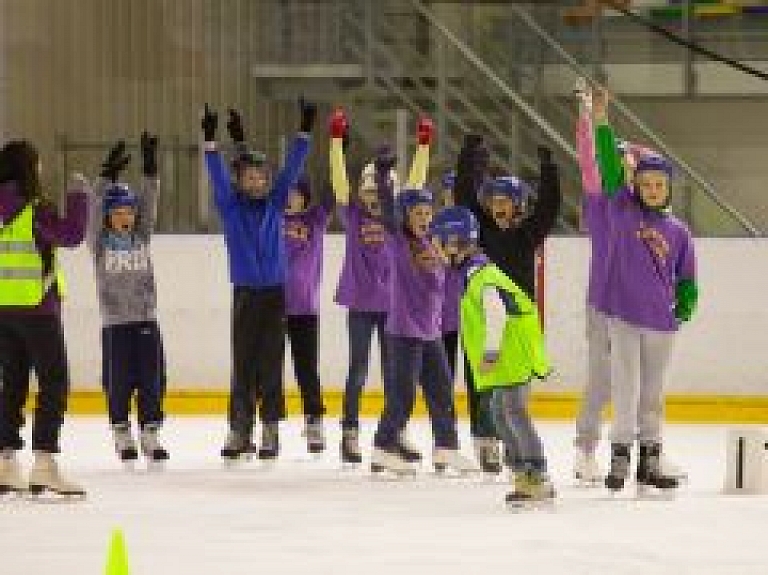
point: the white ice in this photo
(307, 516)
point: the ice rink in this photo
(307, 515)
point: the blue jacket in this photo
(253, 228)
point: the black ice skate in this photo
(350, 446)
(313, 431)
(620, 458)
(238, 446)
(270, 442)
(649, 471)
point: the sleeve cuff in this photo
(210, 146)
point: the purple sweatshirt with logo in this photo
(51, 231)
(364, 284)
(418, 283)
(304, 235)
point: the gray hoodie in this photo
(123, 266)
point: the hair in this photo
(19, 161)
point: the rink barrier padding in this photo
(550, 406)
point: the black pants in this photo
(258, 353)
(32, 342)
(132, 360)
(302, 334)
(480, 421)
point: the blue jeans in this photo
(360, 326)
(522, 445)
(413, 360)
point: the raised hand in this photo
(308, 111)
(338, 125)
(425, 131)
(235, 127)
(116, 162)
(149, 154)
(210, 124)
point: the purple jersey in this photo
(638, 256)
(303, 235)
(364, 284)
(454, 288)
(418, 281)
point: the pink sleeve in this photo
(585, 144)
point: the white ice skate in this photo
(451, 460)
(125, 445)
(350, 447)
(46, 476)
(151, 448)
(530, 490)
(11, 478)
(315, 434)
(392, 462)
(488, 454)
(586, 469)
(408, 450)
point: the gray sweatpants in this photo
(522, 446)
(597, 392)
(639, 360)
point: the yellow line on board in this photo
(544, 405)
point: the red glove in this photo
(425, 131)
(338, 124)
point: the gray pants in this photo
(522, 445)
(597, 393)
(639, 359)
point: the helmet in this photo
(654, 163)
(449, 180)
(455, 221)
(511, 187)
(412, 197)
(119, 196)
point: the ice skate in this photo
(11, 478)
(392, 462)
(531, 490)
(46, 476)
(237, 447)
(445, 460)
(125, 445)
(408, 451)
(488, 454)
(350, 446)
(151, 448)
(314, 433)
(270, 442)
(651, 479)
(620, 458)
(586, 470)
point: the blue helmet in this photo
(655, 163)
(455, 221)
(411, 197)
(119, 196)
(510, 186)
(449, 180)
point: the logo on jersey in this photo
(133, 259)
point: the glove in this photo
(308, 114)
(473, 141)
(544, 154)
(338, 125)
(115, 163)
(210, 124)
(149, 154)
(235, 127)
(425, 131)
(385, 160)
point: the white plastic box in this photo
(746, 468)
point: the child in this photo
(642, 288)
(31, 332)
(510, 234)
(252, 216)
(304, 231)
(505, 359)
(364, 285)
(119, 236)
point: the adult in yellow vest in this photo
(31, 333)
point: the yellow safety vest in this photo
(23, 281)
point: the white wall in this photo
(723, 351)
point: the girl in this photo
(642, 288)
(119, 235)
(304, 231)
(31, 333)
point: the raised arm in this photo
(417, 178)
(294, 162)
(585, 146)
(544, 217)
(67, 231)
(471, 168)
(607, 151)
(339, 127)
(116, 161)
(150, 186)
(223, 194)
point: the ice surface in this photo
(308, 516)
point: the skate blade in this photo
(44, 494)
(582, 483)
(8, 493)
(531, 505)
(650, 493)
(379, 472)
(156, 465)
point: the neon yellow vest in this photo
(522, 355)
(23, 282)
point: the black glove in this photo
(385, 160)
(210, 123)
(115, 163)
(235, 127)
(308, 114)
(544, 154)
(149, 154)
(473, 141)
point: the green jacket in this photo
(522, 355)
